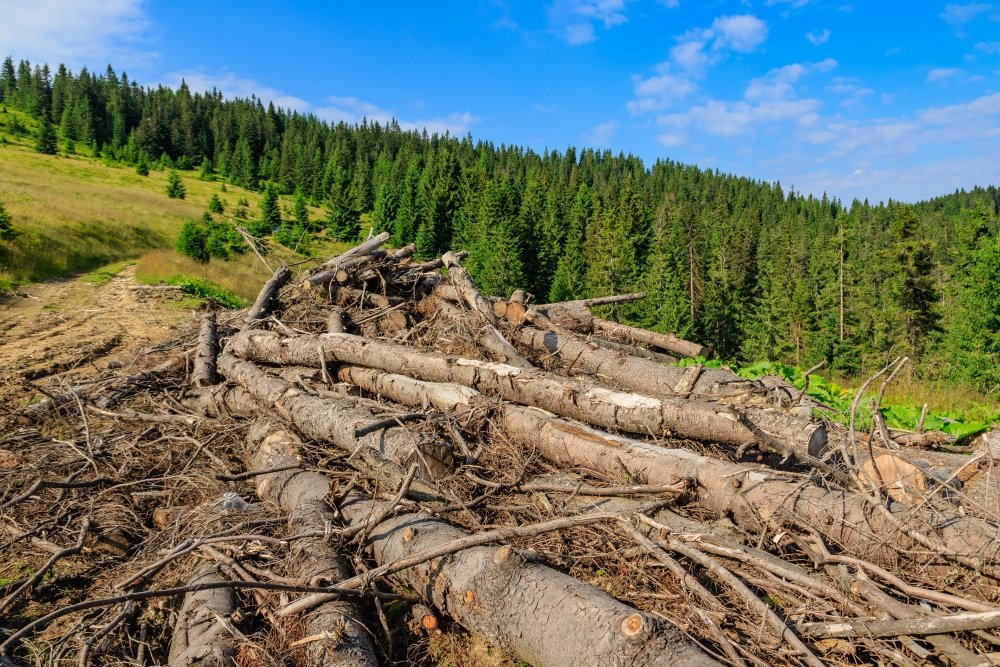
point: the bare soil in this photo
(62, 333)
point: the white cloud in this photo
(887, 98)
(352, 110)
(670, 4)
(546, 108)
(958, 15)
(743, 33)
(699, 48)
(943, 74)
(989, 48)
(659, 92)
(794, 4)
(76, 32)
(723, 118)
(579, 33)
(600, 136)
(577, 20)
(817, 38)
(232, 86)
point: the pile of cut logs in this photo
(376, 441)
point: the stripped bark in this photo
(493, 342)
(755, 499)
(390, 451)
(301, 495)
(267, 298)
(204, 372)
(587, 402)
(200, 639)
(668, 342)
(467, 288)
(544, 616)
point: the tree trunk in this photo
(204, 373)
(754, 498)
(547, 618)
(200, 639)
(387, 452)
(268, 296)
(668, 342)
(572, 398)
(329, 267)
(302, 496)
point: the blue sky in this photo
(856, 99)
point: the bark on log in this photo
(357, 265)
(204, 373)
(390, 451)
(433, 264)
(268, 295)
(335, 321)
(596, 301)
(301, 495)
(635, 374)
(572, 398)
(467, 288)
(753, 498)
(547, 618)
(200, 639)
(668, 342)
(329, 268)
(501, 350)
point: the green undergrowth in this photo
(105, 273)
(961, 423)
(206, 289)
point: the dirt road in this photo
(58, 334)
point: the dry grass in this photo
(74, 213)
(241, 275)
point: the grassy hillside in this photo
(74, 213)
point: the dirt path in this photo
(57, 334)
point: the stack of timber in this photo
(378, 464)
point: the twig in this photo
(30, 583)
(254, 473)
(42, 621)
(497, 535)
(395, 420)
(935, 625)
(805, 380)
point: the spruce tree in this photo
(215, 204)
(7, 232)
(175, 187)
(192, 241)
(300, 210)
(46, 141)
(142, 165)
(270, 211)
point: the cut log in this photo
(301, 495)
(753, 498)
(634, 374)
(267, 298)
(200, 639)
(335, 321)
(547, 618)
(493, 342)
(431, 265)
(668, 342)
(357, 265)
(329, 268)
(467, 288)
(206, 351)
(587, 402)
(391, 450)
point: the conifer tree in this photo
(300, 210)
(7, 232)
(270, 211)
(175, 187)
(192, 241)
(384, 211)
(46, 141)
(215, 204)
(142, 165)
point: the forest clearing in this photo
(376, 463)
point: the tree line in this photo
(745, 266)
